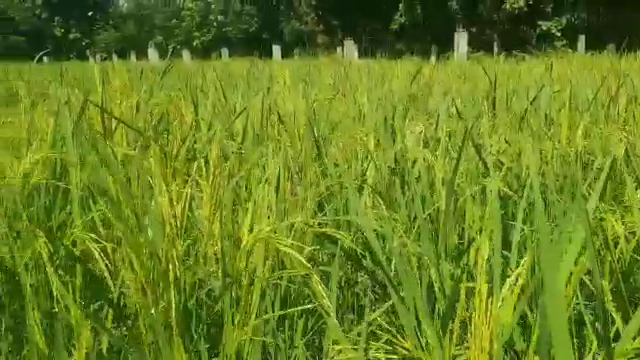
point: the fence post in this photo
(186, 56)
(434, 53)
(133, 57)
(152, 54)
(350, 49)
(582, 44)
(461, 45)
(90, 56)
(276, 52)
(224, 53)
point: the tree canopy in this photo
(71, 27)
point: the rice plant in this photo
(320, 209)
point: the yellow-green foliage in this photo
(319, 209)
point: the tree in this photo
(69, 27)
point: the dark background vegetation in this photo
(391, 27)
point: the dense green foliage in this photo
(305, 210)
(391, 27)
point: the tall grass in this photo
(305, 210)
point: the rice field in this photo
(316, 209)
